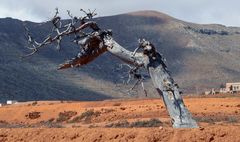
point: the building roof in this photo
(234, 83)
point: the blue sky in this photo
(225, 12)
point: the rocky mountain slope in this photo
(199, 56)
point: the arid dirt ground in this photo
(139, 120)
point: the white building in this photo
(10, 102)
(233, 87)
(229, 88)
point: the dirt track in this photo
(115, 120)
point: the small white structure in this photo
(229, 88)
(223, 90)
(1, 105)
(207, 92)
(233, 87)
(10, 102)
(212, 92)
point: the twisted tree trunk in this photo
(167, 89)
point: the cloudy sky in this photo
(225, 12)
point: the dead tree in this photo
(98, 41)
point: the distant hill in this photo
(199, 57)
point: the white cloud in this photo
(199, 11)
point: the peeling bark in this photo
(162, 81)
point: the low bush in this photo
(66, 115)
(149, 123)
(85, 116)
(33, 115)
(34, 103)
(117, 104)
(212, 120)
(144, 123)
(120, 124)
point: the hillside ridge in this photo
(199, 57)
